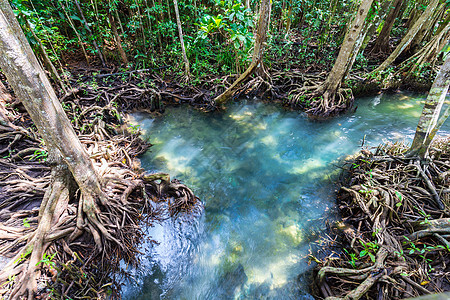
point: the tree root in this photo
(402, 229)
(183, 199)
(76, 240)
(311, 96)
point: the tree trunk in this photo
(32, 87)
(443, 23)
(409, 36)
(427, 27)
(415, 13)
(141, 26)
(375, 23)
(97, 49)
(428, 122)
(288, 20)
(382, 42)
(117, 39)
(258, 51)
(180, 33)
(349, 49)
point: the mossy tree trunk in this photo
(429, 122)
(258, 51)
(347, 54)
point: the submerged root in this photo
(310, 94)
(395, 236)
(180, 197)
(328, 104)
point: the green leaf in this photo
(217, 21)
(363, 253)
(76, 18)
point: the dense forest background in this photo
(218, 39)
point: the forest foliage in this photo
(218, 33)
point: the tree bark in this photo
(382, 42)
(429, 121)
(258, 51)
(122, 53)
(409, 36)
(347, 54)
(32, 87)
(180, 33)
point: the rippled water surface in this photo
(264, 176)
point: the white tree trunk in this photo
(428, 122)
(32, 87)
(347, 54)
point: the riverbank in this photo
(392, 240)
(150, 90)
(95, 104)
(80, 261)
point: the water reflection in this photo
(264, 175)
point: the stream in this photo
(266, 178)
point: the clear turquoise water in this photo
(265, 176)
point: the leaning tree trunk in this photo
(409, 36)
(429, 121)
(373, 25)
(349, 49)
(32, 87)
(382, 42)
(180, 33)
(122, 53)
(427, 27)
(258, 51)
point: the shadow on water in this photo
(264, 175)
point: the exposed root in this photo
(76, 240)
(396, 228)
(182, 199)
